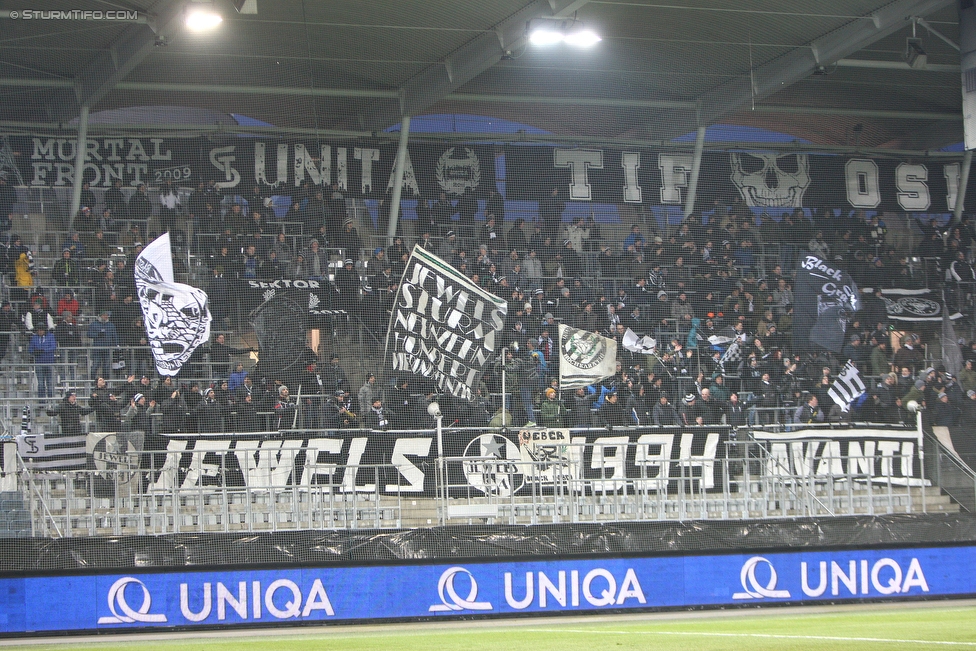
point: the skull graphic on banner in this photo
(767, 180)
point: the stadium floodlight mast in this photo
(551, 31)
(202, 16)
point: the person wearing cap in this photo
(552, 411)
(664, 414)
(348, 284)
(569, 261)
(448, 246)
(944, 412)
(348, 239)
(42, 348)
(688, 412)
(378, 417)
(136, 423)
(105, 338)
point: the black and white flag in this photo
(443, 326)
(642, 345)
(826, 300)
(730, 358)
(847, 388)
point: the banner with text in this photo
(443, 326)
(244, 597)
(765, 180)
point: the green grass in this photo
(920, 627)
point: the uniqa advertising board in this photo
(244, 597)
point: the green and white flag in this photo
(584, 357)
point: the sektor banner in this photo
(244, 597)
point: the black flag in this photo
(826, 299)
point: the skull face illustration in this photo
(177, 317)
(771, 180)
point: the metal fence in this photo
(274, 482)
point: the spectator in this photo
(8, 197)
(809, 412)
(634, 238)
(105, 339)
(140, 207)
(664, 413)
(552, 411)
(42, 348)
(377, 416)
(69, 412)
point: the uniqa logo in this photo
(451, 600)
(122, 612)
(751, 587)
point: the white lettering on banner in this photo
(342, 169)
(913, 191)
(885, 576)
(409, 177)
(654, 458)
(630, 161)
(675, 169)
(705, 461)
(284, 284)
(414, 476)
(223, 159)
(861, 176)
(305, 162)
(610, 457)
(318, 599)
(443, 327)
(64, 149)
(598, 587)
(874, 462)
(813, 263)
(367, 155)
(579, 162)
(951, 173)
(316, 473)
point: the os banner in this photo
(245, 597)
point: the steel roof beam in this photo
(468, 61)
(111, 66)
(801, 62)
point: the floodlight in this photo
(915, 55)
(543, 37)
(582, 38)
(201, 17)
(550, 31)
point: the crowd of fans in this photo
(727, 273)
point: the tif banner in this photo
(875, 455)
(177, 316)
(826, 299)
(443, 327)
(242, 597)
(584, 357)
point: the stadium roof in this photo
(830, 72)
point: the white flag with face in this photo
(584, 357)
(177, 316)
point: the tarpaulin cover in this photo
(474, 543)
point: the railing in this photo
(319, 479)
(951, 474)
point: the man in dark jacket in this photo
(70, 413)
(209, 413)
(613, 414)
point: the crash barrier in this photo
(318, 479)
(428, 590)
